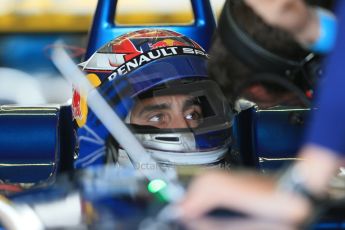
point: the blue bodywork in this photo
(35, 143)
(267, 139)
(29, 149)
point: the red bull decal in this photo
(79, 108)
(79, 102)
(76, 110)
(167, 42)
(151, 34)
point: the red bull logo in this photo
(76, 107)
(166, 43)
(79, 102)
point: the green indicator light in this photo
(156, 185)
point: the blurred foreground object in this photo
(17, 87)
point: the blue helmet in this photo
(156, 81)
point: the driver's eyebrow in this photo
(150, 108)
(190, 102)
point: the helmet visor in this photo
(186, 115)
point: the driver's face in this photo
(177, 111)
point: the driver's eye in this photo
(156, 118)
(193, 116)
(193, 113)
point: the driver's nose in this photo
(178, 121)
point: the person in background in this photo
(292, 196)
(238, 59)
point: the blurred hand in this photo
(248, 193)
(256, 194)
(235, 223)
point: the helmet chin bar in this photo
(174, 149)
(180, 149)
(166, 158)
(188, 158)
(176, 142)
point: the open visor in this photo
(187, 116)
